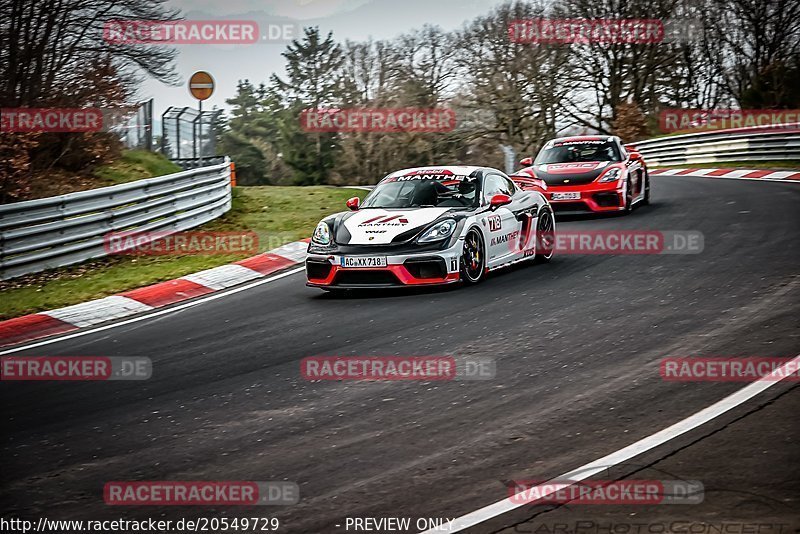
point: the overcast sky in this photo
(348, 19)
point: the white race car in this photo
(431, 225)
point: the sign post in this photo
(201, 85)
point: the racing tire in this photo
(545, 236)
(646, 199)
(628, 197)
(473, 258)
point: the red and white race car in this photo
(429, 226)
(587, 173)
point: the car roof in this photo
(582, 138)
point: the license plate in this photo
(566, 196)
(363, 261)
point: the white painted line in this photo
(295, 251)
(223, 276)
(753, 179)
(780, 175)
(98, 311)
(643, 445)
(738, 173)
(155, 313)
(670, 172)
(702, 172)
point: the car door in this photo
(501, 225)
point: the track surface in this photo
(577, 344)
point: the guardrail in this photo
(53, 232)
(741, 144)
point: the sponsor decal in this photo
(74, 368)
(495, 223)
(388, 220)
(671, 120)
(601, 30)
(384, 120)
(627, 492)
(732, 369)
(505, 238)
(180, 243)
(200, 493)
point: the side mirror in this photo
(352, 203)
(499, 200)
(635, 156)
(526, 162)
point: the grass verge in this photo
(277, 214)
(135, 165)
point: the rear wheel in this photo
(545, 237)
(646, 199)
(473, 258)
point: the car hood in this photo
(380, 226)
(571, 173)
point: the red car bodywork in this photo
(577, 186)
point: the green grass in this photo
(778, 164)
(135, 165)
(277, 214)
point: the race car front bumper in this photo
(402, 268)
(594, 197)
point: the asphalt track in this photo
(577, 344)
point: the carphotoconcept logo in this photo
(391, 368)
(380, 120)
(200, 493)
(584, 31)
(74, 368)
(180, 243)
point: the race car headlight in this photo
(322, 234)
(611, 175)
(440, 230)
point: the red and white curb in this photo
(739, 174)
(39, 325)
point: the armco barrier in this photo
(53, 232)
(741, 144)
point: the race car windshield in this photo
(578, 152)
(418, 193)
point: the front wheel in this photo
(473, 258)
(545, 237)
(628, 196)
